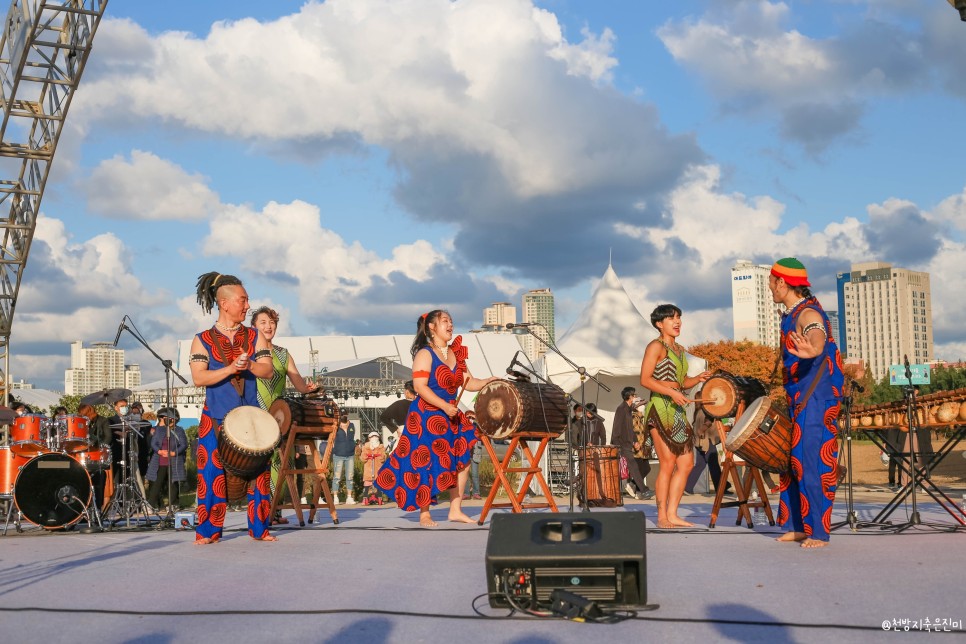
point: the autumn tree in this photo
(744, 358)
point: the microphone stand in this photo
(582, 372)
(852, 518)
(168, 520)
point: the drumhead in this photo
(252, 429)
(719, 395)
(42, 484)
(498, 409)
(749, 421)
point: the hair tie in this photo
(215, 282)
(423, 316)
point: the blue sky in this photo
(357, 162)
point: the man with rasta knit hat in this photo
(812, 374)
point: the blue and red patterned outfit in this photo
(433, 448)
(808, 490)
(219, 400)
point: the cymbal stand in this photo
(127, 499)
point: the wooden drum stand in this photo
(741, 484)
(502, 468)
(294, 436)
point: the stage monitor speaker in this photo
(597, 555)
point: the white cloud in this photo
(148, 187)
(289, 244)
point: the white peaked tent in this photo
(608, 340)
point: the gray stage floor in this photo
(377, 577)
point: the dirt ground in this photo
(867, 468)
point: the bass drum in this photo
(52, 491)
(507, 407)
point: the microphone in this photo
(859, 388)
(119, 329)
(522, 325)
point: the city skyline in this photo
(437, 154)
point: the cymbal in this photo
(106, 397)
(7, 415)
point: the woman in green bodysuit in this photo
(664, 372)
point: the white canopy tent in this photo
(608, 340)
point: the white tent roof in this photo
(608, 339)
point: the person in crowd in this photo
(265, 320)
(142, 437)
(643, 445)
(226, 359)
(812, 373)
(124, 427)
(664, 372)
(473, 490)
(373, 456)
(98, 456)
(169, 444)
(625, 439)
(344, 458)
(435, 449)
(394, 416)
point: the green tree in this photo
(69, 402)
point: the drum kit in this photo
(46, 468)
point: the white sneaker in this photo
(350, 501)
(304, 501)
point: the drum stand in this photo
(127, 500)
(10, 512)
(741, 484)
(501, 468)
(918, 475)
(319, 467)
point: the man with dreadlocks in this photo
(226, 359)
(813, 385)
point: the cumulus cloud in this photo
(148, 187)
(551, 148)
(71, 290)
(756, 64)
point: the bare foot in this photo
(266, 537)
(203, 542)
(665, 524)
(460, 517)
(814, 543)
(792, 536)
(426, 521)
(678, 522)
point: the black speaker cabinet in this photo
(597, 555)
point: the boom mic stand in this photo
(582, 372)
(168, 520)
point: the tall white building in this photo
(755, 315)
(887, 313)
(499, 314)
(99, 367)
(538, 308)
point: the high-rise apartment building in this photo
(755, 315)
(538, 308)
(99, 367)
(885, 315)
(833, 320)
(498, 315)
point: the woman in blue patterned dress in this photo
(434, 451)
